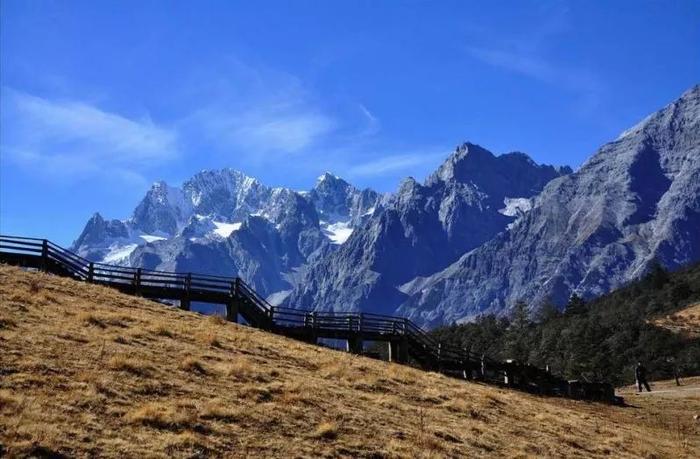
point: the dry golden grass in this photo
(88, 372)
(685, 321)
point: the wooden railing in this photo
(422, 348)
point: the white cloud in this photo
(75, 138)
(372, 124)
(251, 111)
(397, 163)
(264, 129)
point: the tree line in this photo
(597, 340)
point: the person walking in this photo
(640, 373)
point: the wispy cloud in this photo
(537, 67)
(530, 53)
(372, 125)
(73, 138)
(266, 129)
(256, 112)
(392, 164)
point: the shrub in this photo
(193, 365)
(120, 363)
(326, 431)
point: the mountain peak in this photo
(96, 217)
(466, 158)
(328, 177)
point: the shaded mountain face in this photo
(636, 201)
(422, 229)
(224, 222)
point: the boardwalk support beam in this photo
(185, 301)
(355, 344)
(398, 351)
(44, 255)
(232, 310)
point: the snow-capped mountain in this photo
(423, 228)
(341, 207)
(224, 222)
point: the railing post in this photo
(44, 255)
(272, 313)
(91, 272)
(137, 280)
(232, 310)
(237, 286)
(359, 324)
(466, 364)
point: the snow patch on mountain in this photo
(152, 238)
(225, 229)
(515, 207)
(118, 254)
(337, 232)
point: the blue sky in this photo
(100, 99)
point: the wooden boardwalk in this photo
(407, 343)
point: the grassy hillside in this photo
(685, 322)
(86, 371)
(602, 339)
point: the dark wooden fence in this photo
(407, 342)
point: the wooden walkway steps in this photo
(407, 343)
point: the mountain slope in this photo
(635, 201)
(91, 372)
(423, 228)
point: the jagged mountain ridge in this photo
(478, 234)
(224, 222)
(423, 228)
(635, 202)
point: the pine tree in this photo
(547, 311)
(576, 305)
(517, 334)
(657, 276)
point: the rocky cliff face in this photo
(636, 201)
(224, 222)
(422, 229)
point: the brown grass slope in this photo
(86, 371)
(685, 322)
